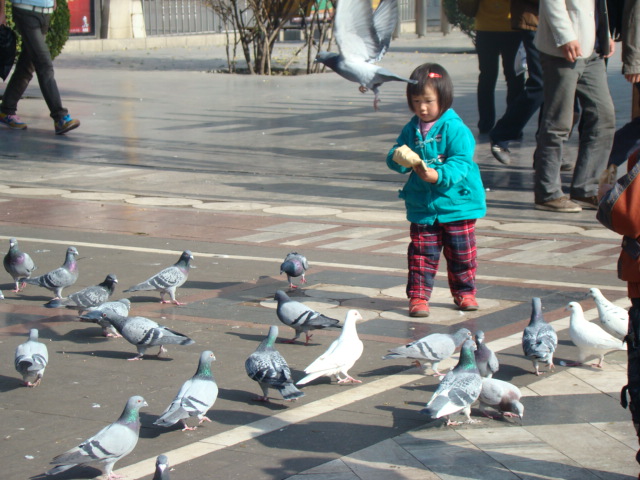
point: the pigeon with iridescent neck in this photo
(87, 297)
(167, 280)
(106, 447)
(269, 368)
(459, 388)
(294, 265)
(195, 398)
(60, 278)
(539, 339)
(18, 264)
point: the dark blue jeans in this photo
(490, 47)
(525, 105)
(34, 56)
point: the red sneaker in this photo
(466, 303)
(418, 307)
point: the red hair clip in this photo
(434, 75)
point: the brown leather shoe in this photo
(560, 204)
(590, 203)
(418, 307)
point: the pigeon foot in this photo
(114, 476)
(161, 351)
(204, 419)
(509, 414)
(137, 357)
(260, 398)
(349, 379)
(187, 428)
(290, 341)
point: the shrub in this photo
(58, 29)
(457, 19)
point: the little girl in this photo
(443, 195)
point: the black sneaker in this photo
(590, 203)
(501, 152)
(65, 124)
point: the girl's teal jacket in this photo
(448, 148)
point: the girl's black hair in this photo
(439, 80)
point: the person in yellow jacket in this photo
(495, 40)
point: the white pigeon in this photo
(614, 319)
(106, 447)
(31, 359)
(459, 388)
(591, 340)
(432, 348)
(501, 395)
(341, 355)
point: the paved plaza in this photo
(171, 155)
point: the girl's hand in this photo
(406, 157)
(427, 174)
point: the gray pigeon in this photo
(61, 277)
(363, 37)
(18, 264)
(432, 349)
(167, 280)
(502, 396)
(195, 398)
(341, 355)
(106, 447)
(144, 333)
(162, 468)
(539, 339)
(94, 315)
(614, 319)
(31, 359)
(459, 388)
(294, 265)
(300, 317)
(486, 360)
(87, 297)
(267, 367)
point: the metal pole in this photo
(421, 18)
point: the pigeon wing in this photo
(385, 19)
(355, 34)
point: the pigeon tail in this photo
(290, 392)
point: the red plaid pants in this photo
(458, 242)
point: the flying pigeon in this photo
(61, 277)
(106, 447)
(267, 367)
(18, 264)
(459, 388)
(168, 279)
(539, 339)
(432, 349)
(614, 319)
(87, 297)
(300, 317)
(294, 265)
(591, 340)
(195, 398)
(31, 359)
(144, 333)
(503, 396)
(341, 355)
(162, 468)
(94, 315)
(363, 37)
(486, 361)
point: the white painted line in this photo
(270, 424)
(347, 266)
